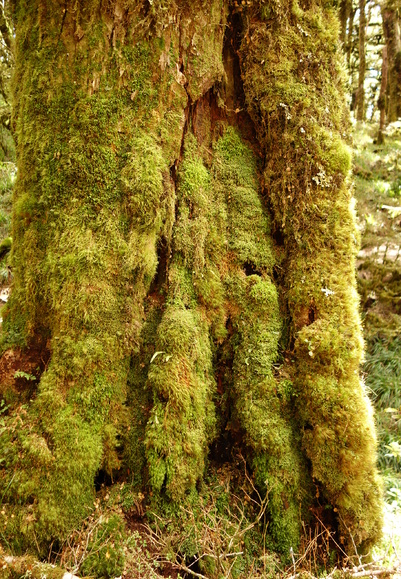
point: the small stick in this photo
(376, 572)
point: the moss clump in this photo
(259, 406)
(182, 422)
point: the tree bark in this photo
(349, 44)
(382, 97)
(183, 265)
(392, 37)
(345, 14)
(360, 98)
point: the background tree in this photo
(183, 266)
(345, 15)
(360, 95)
(391, 30)
(6, 67)
(382, 96)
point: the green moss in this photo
(5, 246)
(91, 200)
(261, 412)
(181, 374)
(145, 265)
(142, 179)
(105, 548)
(264, 414)
(293, 81)
(236, 169)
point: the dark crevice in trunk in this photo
(102, 480)
(250, 269)
(234, 101)
(278, 237)
(311, 314)
(160, 279)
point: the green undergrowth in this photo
(7, 179)
(383, 378)
(377, 179)
(215, 531)
(377, 174)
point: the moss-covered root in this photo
(261, 405)
(293, 81)
(182, 420)
(52, 452)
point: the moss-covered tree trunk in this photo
(183, 264)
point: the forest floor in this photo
(377, 190)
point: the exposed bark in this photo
(382, 97)
(345, 13)
(360, 97)
(391, 28)
(182, 197)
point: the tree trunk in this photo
(360, 97)
(350, 37)
(382, 97)
(392, 37)
(183, 265)
(345, 13)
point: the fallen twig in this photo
(374, 572)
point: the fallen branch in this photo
(374, 572)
